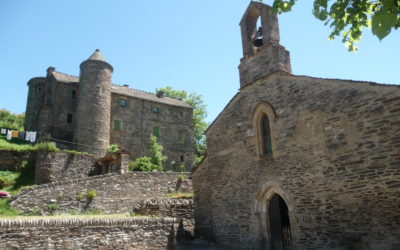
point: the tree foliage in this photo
(10, 120)
(154, 162)
(199, 114)
(349, 17)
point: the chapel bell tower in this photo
(262, 53)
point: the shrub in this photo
(113, 148)
(7, 179)
(142, 164)
(91, 194)
(80, 197)
(46, 146)
(181, 177)
(150, 164)
(52, 208)
(179, 195)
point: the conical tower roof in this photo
(96, 56)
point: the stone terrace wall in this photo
(115, 193)
(127, 233)
(61, 165)
(11, 160)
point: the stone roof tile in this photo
(147, 96)
(117, 89)
(61, 77)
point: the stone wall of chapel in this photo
(137, 124)
(336, 159)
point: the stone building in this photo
(298, 162)
(89, 113)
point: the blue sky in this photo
(190, 45)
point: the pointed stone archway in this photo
(274, 213)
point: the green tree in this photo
(153, 163)
(199, 114)
(349, 17)
(10, 120)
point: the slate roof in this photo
(61, 77)
(147, 96)
(117, 89)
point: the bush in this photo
(80, 197)
(143, 164)
(181, 177)
(150, 164)
(91, 194)
(46, 146)
(52, 208)
(8, 179)
(113, 148)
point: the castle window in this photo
(156, 131)
(69, 118)
(155, 110)
(181, 137)
(122, 103)
(182, 158)
(266, 135)
(71, 93)
(117, 125)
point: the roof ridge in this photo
(146, 92)
(65, 74)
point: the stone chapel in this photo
(298, 162)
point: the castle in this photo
(298, 162)
(88, 113)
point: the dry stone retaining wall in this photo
(62, 165)
(11, 160)
(115, 193)
(127, 233)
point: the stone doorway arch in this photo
(274, 213)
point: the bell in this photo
(258, 38)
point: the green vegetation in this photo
(80, 197)
(181, 177)
(349, 17)
(179, 195)
(52, 208)
(6, 210)
(74, 152)
(92, 211)
(91, 194)
(199, 115)
(42, 146)
(11, 121)
(113, 148)
(153, 163)
(14, 182)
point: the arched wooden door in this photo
(279, 224)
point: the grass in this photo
(6, 210)
(74, 152)
(71, 215)
(41, 146)
(180, 195)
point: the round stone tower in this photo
(92, 121)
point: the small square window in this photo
(117, 125)
(122, 103)
(69, 118)
(156, 131)
(181, 136)
(71, 93)
(155, 110)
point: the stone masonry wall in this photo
(116, 193)
(128, 233)
(335, 162)
(138, 121)
(62, 165)
(11, 160)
